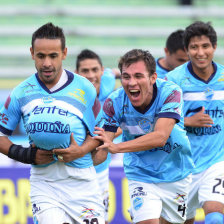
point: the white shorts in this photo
(76, 199)
(206, 186)
(150, 201)
(103, 180)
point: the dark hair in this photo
(136, 55)
(200, 28)
(49, 31)
(87, 54)
(175, 42)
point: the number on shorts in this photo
(92, 221)
(182, 208)
(220, 181)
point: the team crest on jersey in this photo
(209, 93)
(137, 203)
(145, 125)
(48, 99)
(180, 198)
(79, 94)
(3, 118)
(108, 107)
(7, 102)
(88, 213)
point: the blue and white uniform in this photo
(167, 164)
(49, 119)
(207, 143)
(160, 70)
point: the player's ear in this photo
(32, 52)
(64, 53)
(166, 51)
(153, 77)
(102, 69)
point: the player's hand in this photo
(74, 151)
(199, 119)
(107, 143)
(43, 157)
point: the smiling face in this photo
(201, 51)
(138, 84)
(48, 56)
(92, 70)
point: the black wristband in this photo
(22, 154)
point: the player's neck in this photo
(164, 64)
(204, 73)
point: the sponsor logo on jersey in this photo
(221, 79)
(89, 213)
(49, 110)
(204, 130)
(180, 198)
(137, 203)
(79, 95)
(3, 118)
(28, 87)
(50, 127)
(138, 191)
(185, 82)
(35, 209)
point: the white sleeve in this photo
(1, 134)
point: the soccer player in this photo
(55, 105)
(175, 54)
(157, 155)
(202, 83)
(89, 65)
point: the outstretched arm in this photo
(157, 138)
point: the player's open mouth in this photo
(47, 73)
(134, 92)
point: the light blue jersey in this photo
(107, 86)
(207, 143)
(160, 70)
(50, 117)
(166, 164)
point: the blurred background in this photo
(108, 27)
